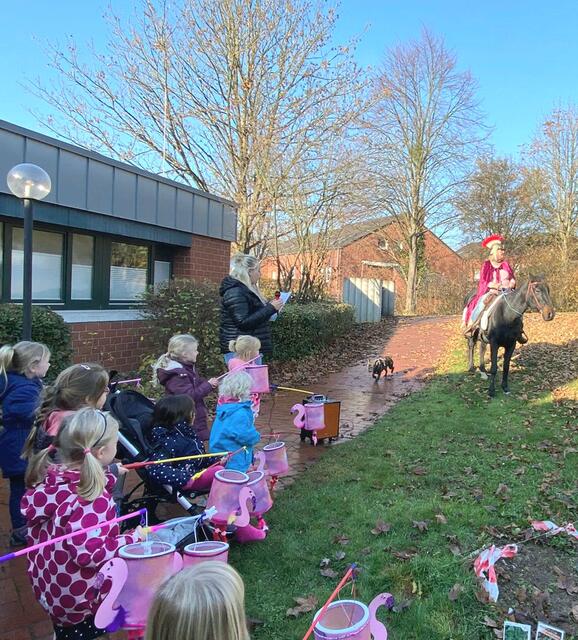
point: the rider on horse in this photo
(496, 276)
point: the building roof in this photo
(342, 237)
(86, 181)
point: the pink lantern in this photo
(258, 484)
(310, 416)
(352, 620)
(208, 550)
(149, 565)
(260, 376)
(224, 494)
(276, 459)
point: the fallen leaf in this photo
(455, 592)
(503, 491)
(421, 525)
(365, 551)
(407, 554)
(575, 612)
(381, 527)
(522, 595)
(520, 471)
(490, 623)
(253, 623)
(304, 606)
(341, 539)
(339, 555)
(567, 584)
(440, 518)
(328, 573)
(419, 471)
(324, 563)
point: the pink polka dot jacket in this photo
(64, 575)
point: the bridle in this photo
(531, 290)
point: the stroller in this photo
(134, 413)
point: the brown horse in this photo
(504, 327)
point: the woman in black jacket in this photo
(244, 311)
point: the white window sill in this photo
(101, 315)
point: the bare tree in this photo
(219, 93)
(497, 199)
(317, 203)
(422, 133)
(553, 157)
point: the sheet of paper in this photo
(285, 295)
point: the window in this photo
(161, 272)
(382, 244)
(82, 267)
(128, 271)
(46, 265)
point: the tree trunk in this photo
(412, 268)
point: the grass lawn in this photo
(450, 472)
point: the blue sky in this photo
(524, 55)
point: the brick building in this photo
(105, 232)
(368, 249)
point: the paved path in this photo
(415, 346)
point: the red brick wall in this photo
(114, 345)
(121, 345)
(348, 261)
(207, 258)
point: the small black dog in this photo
(380, 366)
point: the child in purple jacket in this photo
(176, 371)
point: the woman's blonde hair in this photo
(75, 387)
(21, 357)
(178, 344)
(203, 602)
(245, 346)
(241, 264)
(236, 385)
(78, 438)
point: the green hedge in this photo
(302, 329)
(47, 327)
(184, 306)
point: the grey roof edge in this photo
(87, 153)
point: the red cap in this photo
(491, 239)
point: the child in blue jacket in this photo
(233, 428)
(22, 368)
(234, 425)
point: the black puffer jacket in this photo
(243, 313)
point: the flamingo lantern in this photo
(107, 616)
(243, 515)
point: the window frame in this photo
(101, 267)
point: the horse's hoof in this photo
(506, 391)
(472, 369)
(483, 375)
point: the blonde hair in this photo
(22, 356)
(79, 436)
(245, 347)
(203, 602)
(241, 264)
(75, 387)
(178, 344)
(236, 385)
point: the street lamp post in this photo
(28, 182)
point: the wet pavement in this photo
(415, 346)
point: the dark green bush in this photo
(184, 306)
(47, 327)
(302, 329)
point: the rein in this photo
(531, 289)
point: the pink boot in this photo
(249, 534)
